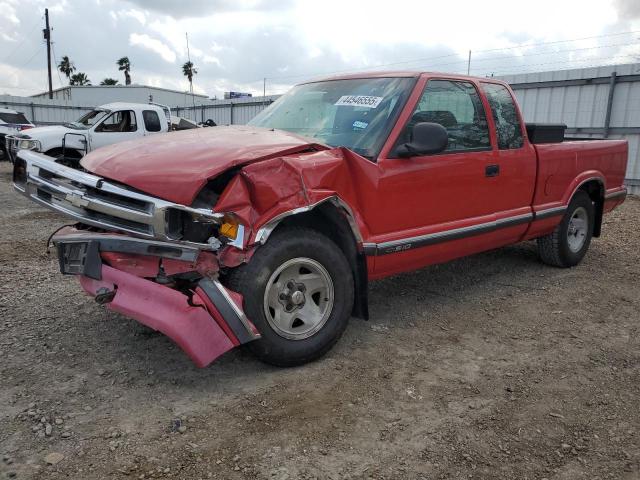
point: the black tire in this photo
(554, 249)
(251, 281)
(3, 150)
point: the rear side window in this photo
(458, 108)
(505, 115)
(151, 121)
(18, 118)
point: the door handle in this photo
(492, 171)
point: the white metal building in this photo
(94, 95)
(592, 102)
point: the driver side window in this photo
(122, 121)
(457, 107)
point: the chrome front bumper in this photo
(11, 146)
(95, 201)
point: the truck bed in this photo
(558, 163)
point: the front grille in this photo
(95, 201)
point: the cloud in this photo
(135, 14)
(234, 44)
(153, 44)
(627, 8)
(200, 8)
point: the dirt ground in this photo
(493, 366)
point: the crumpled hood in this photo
(176, 165)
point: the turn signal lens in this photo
(229, 228)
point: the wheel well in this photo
(328, 220)
(70, 152)
(595, 190)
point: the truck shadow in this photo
(398, 298)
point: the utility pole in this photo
(47, 37)
(469, 64)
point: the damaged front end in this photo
(152, 260)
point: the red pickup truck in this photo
(268, 234)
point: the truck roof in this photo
(401, 74)
(123, 105)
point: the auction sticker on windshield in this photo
(358, 101)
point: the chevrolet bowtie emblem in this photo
(76, 200)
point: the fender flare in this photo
(263, 233)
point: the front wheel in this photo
(298, 291)
(570, 240)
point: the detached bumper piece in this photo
(205, 323)
(79, 251)
(199, 327)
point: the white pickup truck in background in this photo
(105, 125)
(11, 122)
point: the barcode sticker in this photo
(358, 101)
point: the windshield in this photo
(17, 118)
(88, 120)
(357, 113)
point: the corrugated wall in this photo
(44, 111)
(227, 112)
(580, 99)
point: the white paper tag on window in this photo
(359, 101)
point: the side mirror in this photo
(428, 138)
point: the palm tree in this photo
(79, 78)
(124, 65)
(109, 81)
(189, 71)
(66, 66)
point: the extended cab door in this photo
(516, 159)
(117, 127)
(434, 208)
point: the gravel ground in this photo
(493, 366)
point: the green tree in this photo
(67, 67)
(109, 81)
(79, 78)
(124, 65)
(189, 71)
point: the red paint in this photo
(216, 315)
(166, 310)
(175, 166)
(391, 199)
(206, 265)
(138, 265)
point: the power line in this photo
(32, 57)
(524, 68)
(55, 61)
(460, 62)
(22, 41)
(524, 45)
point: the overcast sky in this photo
(236, 43)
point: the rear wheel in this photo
(570, 240)
(298, 291)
